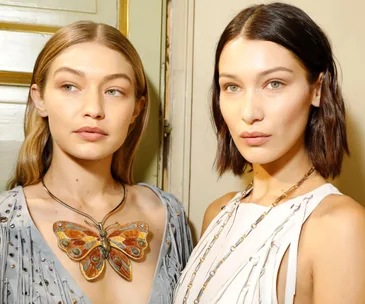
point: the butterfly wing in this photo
(93, 264)
(120, 263)
(75, 239)
(131, 239)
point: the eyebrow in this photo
(82, 74)
(116, 76)
(263, 73)
(69, 70)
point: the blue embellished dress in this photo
(31, 273)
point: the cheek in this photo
(292, 115)
(230, 112)
(59, 106)
(61, 122)
(58, 118)
(121, 114)
(63, 112)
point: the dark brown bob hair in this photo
(290, 27)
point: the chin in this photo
(96, 151)
(90, 156)
(260, 156)
(95, 154)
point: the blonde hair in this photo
(35, 155)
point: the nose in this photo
(94, 104)
(251, 111)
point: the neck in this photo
(271, 180)
(80, 180)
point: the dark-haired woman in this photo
(290, 236)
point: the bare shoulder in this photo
(340, 212)
(144, 197)
(37, 200)
(145, 202)
(35, 192)
(336, 235)
(338, 223)
(215, 207)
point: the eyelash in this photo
(116, 90)
(63, 87)
(275, 81)
(226, 86)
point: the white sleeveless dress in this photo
(249, 275)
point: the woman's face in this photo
(89, 99)
(265, 99)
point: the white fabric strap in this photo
(293, 256)
(309, 206)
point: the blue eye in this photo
(114, 92)
(68, 87)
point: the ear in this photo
(317, 91)
(137, 109)
(38, 100)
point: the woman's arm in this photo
(339, 254)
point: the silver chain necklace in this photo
(96, 223)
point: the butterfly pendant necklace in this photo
(91, 248)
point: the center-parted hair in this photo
(290, 27)
(35, 155)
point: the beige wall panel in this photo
(59, 13)
(11, 94)
(9, 154)
(83, 6)
(11, 123)
(147, 39)
(19, 50)
(11, 138)
(345, 26)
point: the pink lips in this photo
(91, 134)
(255, 138)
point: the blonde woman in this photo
(74, 227)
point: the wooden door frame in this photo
(180, 98)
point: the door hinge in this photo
(167, 128)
